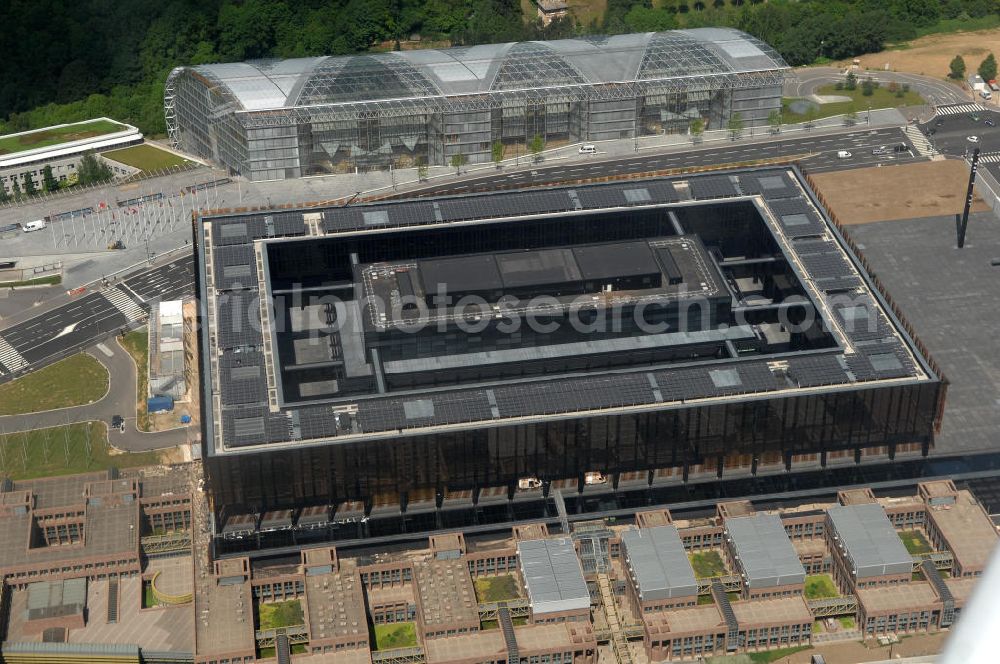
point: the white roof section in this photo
(763, 552)
(867, 537)
(552, 576)
(172, 311)
(640, 57)
(659, 563)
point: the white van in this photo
(588, 148)
(986, 94)
(34, 225)
(843, 154)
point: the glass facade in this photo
(851, 420)
(276, 120)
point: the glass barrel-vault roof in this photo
(497, 68)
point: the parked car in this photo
(588, 148)
(118, 422)
(843, 154)
(880, 150)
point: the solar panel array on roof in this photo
(445, 407)
(659, 563)
(827, 265)
(253, 425)
(243, 378)
(235, 267)
(816, 370)
(584, 393)
(862, 320)
(238, 230)
(772, 185)
(869, 540)
(552, 576)
(694, 382)
(288, 224)
(712, 186)
(238, 320)
(763, 552)
(879, 361)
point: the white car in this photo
(588, 149)
(972, 139)
(843, 154)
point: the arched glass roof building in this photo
(283, 119)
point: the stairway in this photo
(732, 625)
(619, 644)
(919, 141)
(282, 649)
(112, 599)
(507, 626)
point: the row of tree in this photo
(92, 57)
(987, 68)
(90, 170)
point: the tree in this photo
(868, 87)
(851, 82)
(49, 182)
(457, 161)
(957, 67)
(497, 153)
(15, 189)
(774, 120)
(735, 125)
(422, 168)
(4, 196)
(988, 68)
(535, 146)
(29, 184)
(697, 128)
(91, 170)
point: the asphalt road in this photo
(807, 80)
(120, 399)
(91, 317)
(951, 132)
(824, 147)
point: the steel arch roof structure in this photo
(277, 92)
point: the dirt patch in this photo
(931, 55)
(906, 191)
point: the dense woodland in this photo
(62, 61)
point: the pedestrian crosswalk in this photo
(124, 303)
(10, 359)
(990, 158)
(956, 109)
(919, 141)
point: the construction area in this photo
(925, 189)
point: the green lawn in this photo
(273, 615)
(77, 380)
(45, 137)
(395, 635)
(53, 280)
(136, 343)
(496, 588)
(915, 542)
(820, 586)
(705, 599)
(63, 451)
(880, 98)
(148, 598)
(847, 622)
(775, 655)
(707, 564)
(146, 157)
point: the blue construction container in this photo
(160, 403)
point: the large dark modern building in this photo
(271, 120)
(445, 351)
